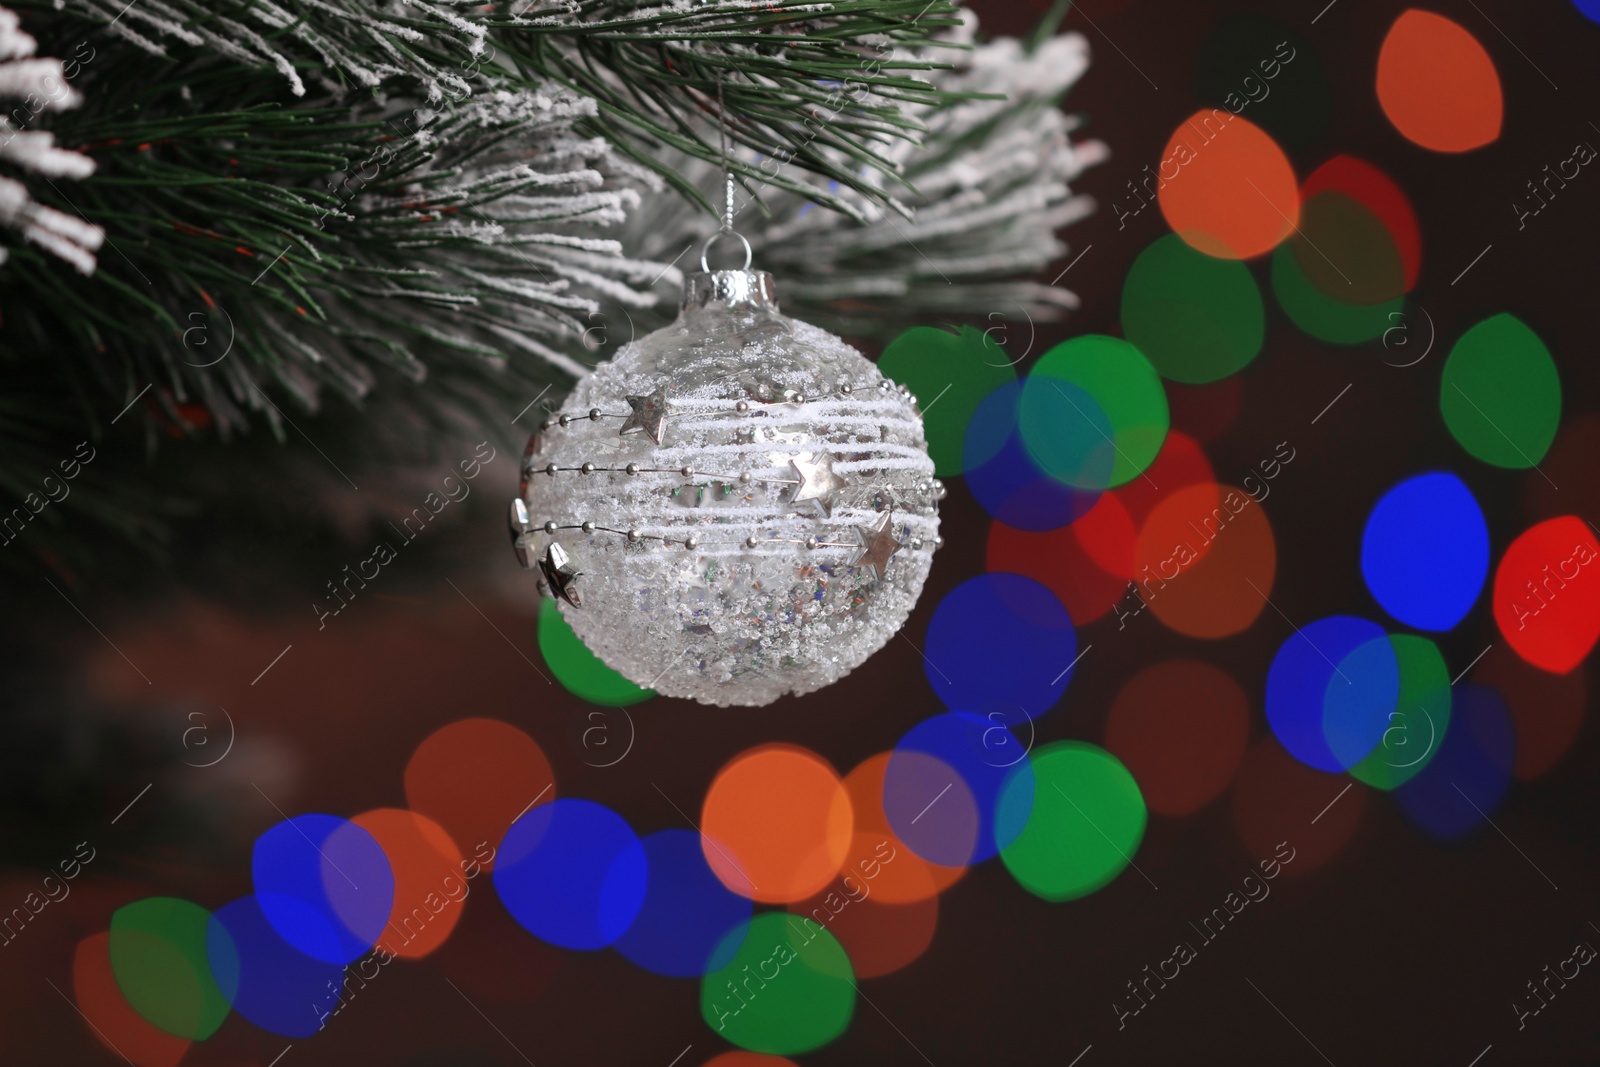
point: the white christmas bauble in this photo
(736, 507)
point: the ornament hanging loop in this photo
(749, 255)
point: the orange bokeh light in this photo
(776, 824)
(430, 880)
(1226, 187)
(1207, 560)
(1438, 85)
(1181, 462)
(907, 878)
(110, 1016)
(879, 938)
(474, 778)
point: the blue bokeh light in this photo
(324, 884)
(1004, 477)
(1470, 774)
(267, 980)
(573, 873)
(1000, 643)
(1301, 678)
(1066, 432)
(687, 910)
(1425, 551)
(1359, 701)
(942, 786)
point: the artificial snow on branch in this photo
(398, 216)
(992, 185)
(41, 86)
(293, 209)
(286, 154)
(655, 69)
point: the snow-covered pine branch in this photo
(40, 85)
(993, 186)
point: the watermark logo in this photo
(999, 745)
(199, 340)
(1398, 339)
(603, 740)
(197, 740)
(1004, 326)
(595, 337)
(1397, 740)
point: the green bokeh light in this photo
(1323, 317)
(1420, 719)
(1347, 252)
(1066, 433)
(1119, 379)
(1197, 318)
(1087, 821)
(1500, 393)
(787, 990)
(158, 956)
(949, 374)
(580, 670)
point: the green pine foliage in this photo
(315, 208)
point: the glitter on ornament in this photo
(762, 522)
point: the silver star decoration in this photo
(818, 482)
(877, 545)
(560, 574)
(521, 533)
(649, 415)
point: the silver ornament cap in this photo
(730, 288)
